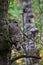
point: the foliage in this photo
(15, 10)
(38, 10)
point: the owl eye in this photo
(31, 16)
(29, 21)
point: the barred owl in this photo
(15, 33)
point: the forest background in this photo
(15, 12)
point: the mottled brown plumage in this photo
(12, 31)
(15, 34)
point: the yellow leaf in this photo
(19, 61)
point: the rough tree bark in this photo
(30, 30)
(3, 17)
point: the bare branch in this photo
(24, 56)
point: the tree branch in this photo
(24, 56)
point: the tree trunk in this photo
(29, 30)
(3, 17)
